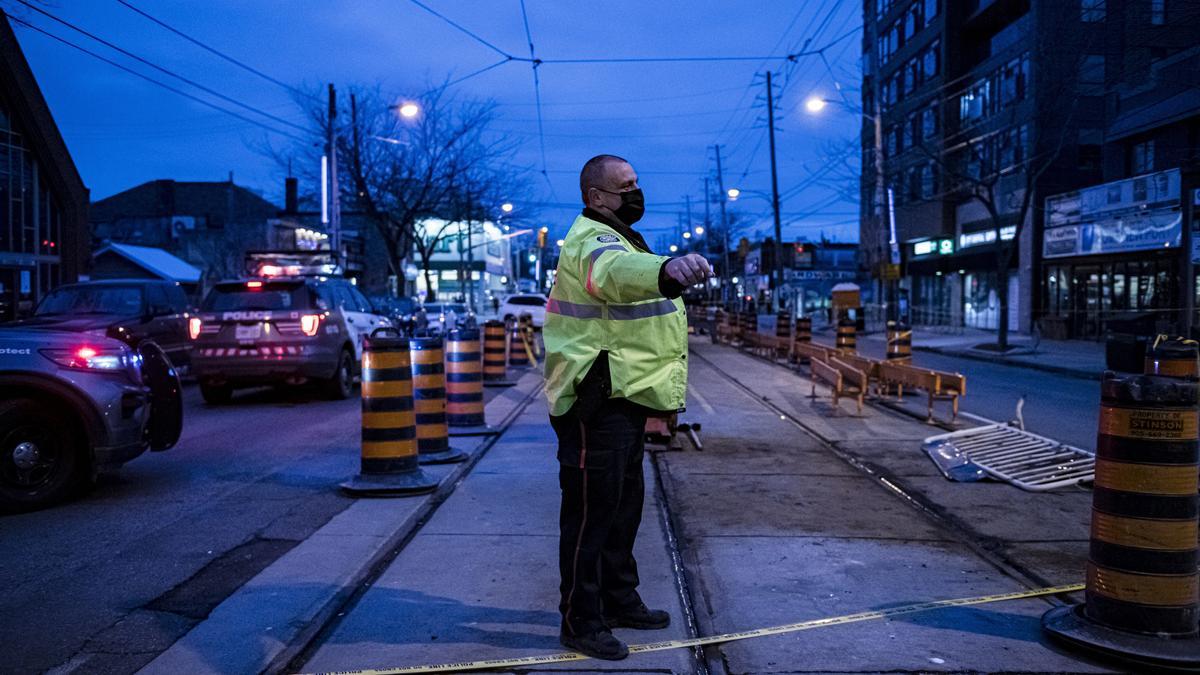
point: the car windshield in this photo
(269, 295)
(124, 300)
(532, 300)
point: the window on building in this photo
(1142, 159)
(929, 122)
(912, 22)
(928, 180)
(912, 75)
(931, 60)
(931, 10)
(1158, 12)
(974, 102)
(1093, 11)
(909, 126)
(1091, 75)
(1012, 78)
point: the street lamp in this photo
(673, 248)
(506, 207)
(699, 230)
(560, 242)
(733, 194)
(687, 235)
(815, 104)
(409, 110)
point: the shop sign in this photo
(823, 275)
(1133, 232)
(969, 239)
(933, 247)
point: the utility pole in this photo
(335, 210)
(470, 254)
(777, 267)
(687, 225)
(726, 296)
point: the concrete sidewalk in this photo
(480, 579)
(1073, 358)
(781, 523)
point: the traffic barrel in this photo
(526, 321)
(783, 325)
(735, 325)
(1142, 597)
(389, 456)
(516, 346)
(494, 368)
(464, 384)
(801, 334)
(749, 321)
(846, 341)
(429, 402)
(899, 342)
(1173, 357)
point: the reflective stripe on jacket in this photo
(606, 298)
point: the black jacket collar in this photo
(621, 228)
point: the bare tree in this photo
(404, 174)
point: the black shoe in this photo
(641, 618)
(601, 645)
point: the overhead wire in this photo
(537, 93)
(164, 85)
(212, 50)
(165, 71)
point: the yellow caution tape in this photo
(725, 637)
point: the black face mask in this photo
(633, 205)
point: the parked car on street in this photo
(281, 330)
(130, 310)
(72, 405)
(442, 318)
(533, 304)
(406, 313)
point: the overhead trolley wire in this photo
(217, 52)
(161, 69)
(164, 85)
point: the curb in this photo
(270, 620)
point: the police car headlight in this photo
(102, 359)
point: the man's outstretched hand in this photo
(689, 270)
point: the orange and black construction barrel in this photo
(735, 325)
(846, 340)
(429, 403)
(899, 342)
(495, 370)
(801, 334)
(749, 321)
(1173, 357)
(526, 322)
(517, 356)
(389, 434)
(783, 325)
(464, 384)
(1142, 598)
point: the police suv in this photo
(285, 328)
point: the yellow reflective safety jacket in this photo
(606, 297)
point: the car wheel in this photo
(42, 460)
(216, 394)
(341, 384)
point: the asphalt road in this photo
(1057, 406)
(105, 583)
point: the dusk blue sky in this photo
(664, 117)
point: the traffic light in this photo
(541, 237)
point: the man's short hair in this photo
(593, 172)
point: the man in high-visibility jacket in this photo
(616, 352)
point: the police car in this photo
(284, 327)
(72, 405)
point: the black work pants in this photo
(600, 473)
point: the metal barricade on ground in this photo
(429, 403)
(1142, 602)
(389, 455)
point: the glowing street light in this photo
(532, 258)
(687, 235)
(674, 248)
(560, 242)
(409, 110)
(506, 207)
(734, 280)
(814, 104)
(733, 193)
(699, 230)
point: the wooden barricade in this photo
(854, 381)
(810, 351)
(936, 385)
(869, 367)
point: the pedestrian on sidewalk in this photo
(616, 350)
